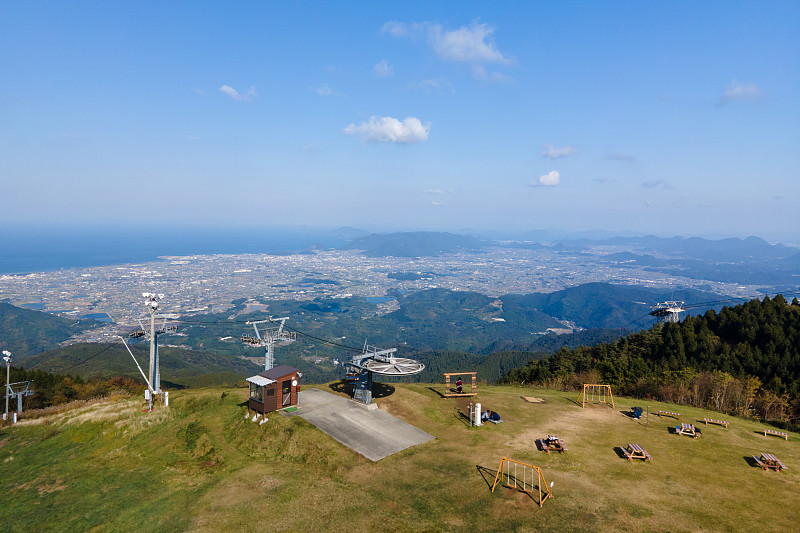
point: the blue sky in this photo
(655, 117)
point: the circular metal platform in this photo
(396, 366)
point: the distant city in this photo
(201, 284)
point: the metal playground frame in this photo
(601, 392)
(526, 482)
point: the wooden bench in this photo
(713, 421)
(669, 413)
(776, 433)
(759, 463)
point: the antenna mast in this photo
(269, 337)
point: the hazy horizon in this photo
(147, 230)
(668, 119)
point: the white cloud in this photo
(438, 204)
(480, 73)
(396, 29)
(232, 93)
(390, 129)
(557, 152)
(325, 90)
(471, 44)
(199, 91)
(652, 184)
(433, 85)
(551, 179)
(740, 91)
(466, 44)
(383, 69)
(436, 191)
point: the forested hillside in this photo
(26, 332)
(744, 360)
(86, 371)
(57, 389)
(179, 367)
(444, 320)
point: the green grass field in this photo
(199, 465)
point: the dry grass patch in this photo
(301, 479)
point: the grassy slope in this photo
(199, 465)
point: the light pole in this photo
(7, 359)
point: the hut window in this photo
(270, 392)
(256, 392)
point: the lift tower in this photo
(7, 359)
(154, 381)
(668, 311)
(269, 337)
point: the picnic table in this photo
(767, 461)
(686, 429)
(552, 443)
(634, 451)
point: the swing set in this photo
(601, 392)
(523, 477)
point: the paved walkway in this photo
(374, 434)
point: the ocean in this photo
(41, 249)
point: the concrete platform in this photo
(375, 434)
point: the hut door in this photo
(287, 392)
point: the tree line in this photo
(57, 389)
(744, 360)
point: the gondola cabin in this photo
(274, 389)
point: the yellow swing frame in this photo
(603, 394)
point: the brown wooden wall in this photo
(274, 402)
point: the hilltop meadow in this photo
(199, 465)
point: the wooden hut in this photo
(274, 389)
